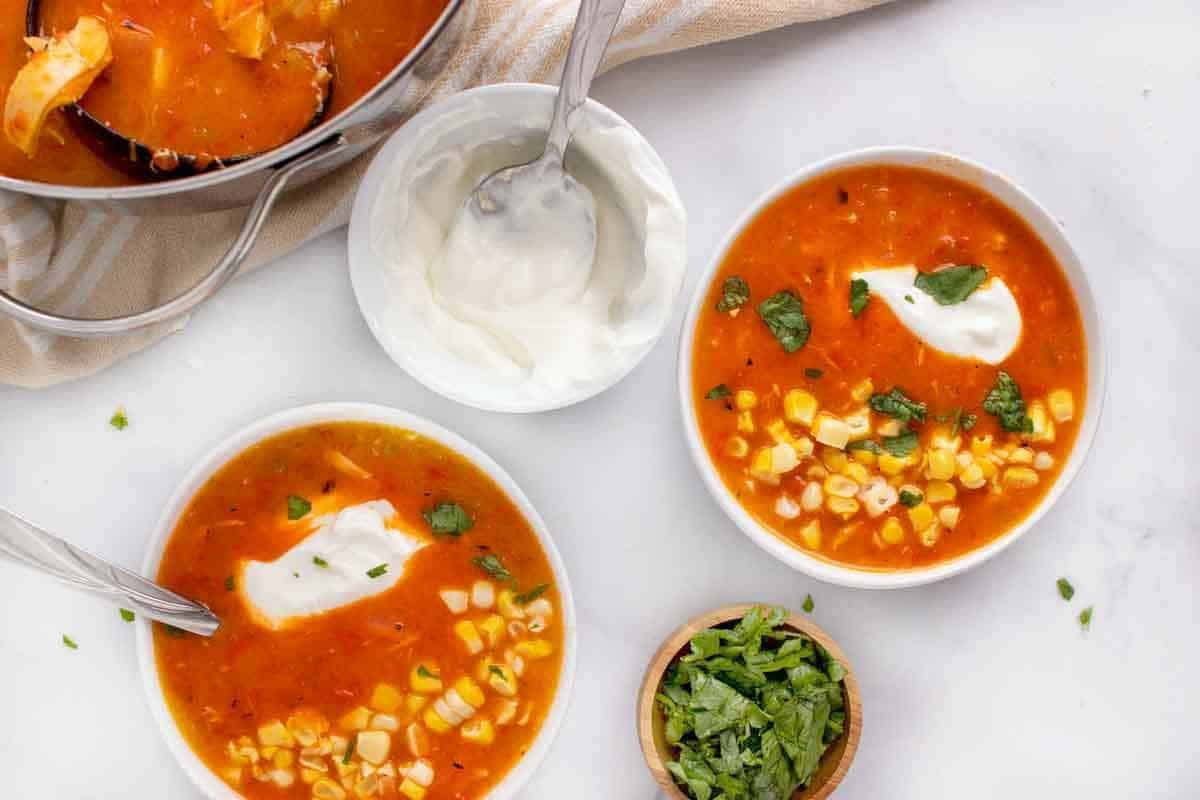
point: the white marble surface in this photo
(979, 687)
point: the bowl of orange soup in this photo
(891, 368)
(396, 621)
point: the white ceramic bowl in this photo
(661, 235)
(201, 775)
(1050, 232)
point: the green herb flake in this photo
(525, 598)
(1005, 403)
(126, 614)
(717, 392)
(860, 295)
(425, 672)
(959, 420)
(69, 642)
(910, 499)
(376, 571)
(499, 673)
(1065, 590)
(297, 507)
(735, 293)
(908, 298)
(950, 286)
(229, 583)
(898, 405)
(808, 604)
(492, 565)
(448, 519)
(172, 631)
(1085, 618)
(900, 445)
(783, 313)
(119, 420)
(865, 444)
(813, 373)
(349, 754)
(320, 562)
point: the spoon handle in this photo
(594, 26)
(24, 543)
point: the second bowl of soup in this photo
(891, 368)
(395, 620)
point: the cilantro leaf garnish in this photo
(1004, 402)
(783, 313)
(1085, 618)
(297, 507)
(448, 519)
(376, 571)
(949, 286)
(860, 295)
(898, 405)
(126, 614)
(492, 565)
(717, 392)
(735, 293)
(808, 604)
(525, 598)
(320, 562)
(119, 420)
(813, 373)
(1065, 590)
(900, 445)
(959, 420)
(864, 444)
(69, 642)
(910, 499)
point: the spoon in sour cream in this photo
(531, 227)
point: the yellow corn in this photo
(761, 466)
(811, 497)
(424, 678)
(479, 731)
(492, 629)
(942, 440)
(307, 726)
(1020, 455)
(891, 465)
(777, 429)
(1062, 405)
(941, 464)
(507, 606)
(469, 691)
(834, 460)
(859, 424)
(988, 467)
(502, 679)
(416, 739)
(1043, 461)
(534, 648)
(1020, 478)
(1043, 425)
(844, 507)
(325, 789)
(803, 446)
(386, 698)
(412, 790)
(811, 534)
(469, 634)
(940, 492)
(829, 430)
(921, 516)
(948, 515)
(981, 445)
(736, 447)
(435, 723)
(856, 472)
(745, 422)
(745, 399)
(274, 733)
(929, 537)
(373, 746)
(283, 759)
(840, 486)
(863, 390)
(864, 456)
(892, 531)
(310, 775)
(800, 407)
(356, 719)
(414, 703)
(972, 476)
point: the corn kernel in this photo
(356, 719)
(859, 424)
(840, 486)
(829, 430)
(1020, 478)
(811, 534)
(844, 507)
(745, 422)
(507, 606)
(981, 445)
(736, 447)
(988, 467)
(929, 536)
(325, 789)
(863, 456)
(1043, 425)
(492, 629)
(386, 698)
(276, 734)
(466, 631)
(745, 399)
(856, 472)
(479, 731)
(948, 515)
(502, 679)
(434, 721)
(469, 691)
(1062, 405)
(892, 531)
(1021, 455)
(760, 466)
(424, 678)
(891, 465)
(940, 492)
(878, 496)
(416, 739)
(972, 477)
(310, 776)
(534, 648)
(833, 459)
(941, 465)
(414, 703)
(777, 429)
(862, 391)
(1043, 461)
(803, 446)
(232, 775)
(942, 440)
(783, 458)
(800, 407)
(307, 726)
(811, 497)
(412, 790)
(921, 516)
(373, 746)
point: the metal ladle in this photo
(24, 543)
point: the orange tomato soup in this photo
(277, 713)
(964, 484)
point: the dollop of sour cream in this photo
(531, 324)
(986, 326)
(329, 568)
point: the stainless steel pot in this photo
(257, 183)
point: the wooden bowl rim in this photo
(679, 639)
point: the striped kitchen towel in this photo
(84, 262)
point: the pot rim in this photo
(271, 158)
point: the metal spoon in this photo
(25, 543)
(498, 192)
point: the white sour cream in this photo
(527, 327)
(986, 326)
(350, 543)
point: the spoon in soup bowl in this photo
(22, 542)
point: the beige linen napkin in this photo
(88, 263)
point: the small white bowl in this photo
(1046, 228)
(201, 775)
(516, 115)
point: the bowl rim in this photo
(1017, 199)
(674, 644)
(366, 275)
(303, 416)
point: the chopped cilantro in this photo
(910, 499)
(783, 313)
(813, 372)
(717, 392)
(860, 295)
(959, 420)
(229, 583)
(898, 405)
(119, 420)
(172, 631)
(69, 642)
(735, 293)
(499, 673)
(376, 571)
(492, 565)
(126, 614)
(525, 598)
(448, 519)
(1085, 618)
(1065, 590)
(297, 507)
(864, 444)
(908, 298)
(350, 749)
(320, 562)
(1004, 402)
(808, 604)
(951, 285)
(900, 445)
(425, 672)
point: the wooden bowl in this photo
(834, 764)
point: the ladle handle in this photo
(594, 26)
(226, 268)
(25, 543)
